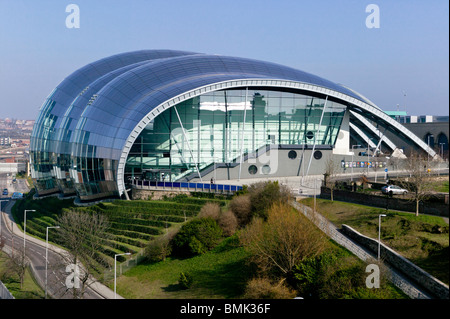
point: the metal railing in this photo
(186, 186)
(4, 292)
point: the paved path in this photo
(35, 249)
(412, 290)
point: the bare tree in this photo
(284, 240)
(83, 235)
(331, 170)
(375, 169)
(419, 183)
(16, 264)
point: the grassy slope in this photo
(220, 273)
(410, 235)
(31, 289)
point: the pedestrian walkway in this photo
(331, 230)
(7, 220)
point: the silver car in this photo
(394, 190)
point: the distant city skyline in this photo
(404, 60)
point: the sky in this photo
(400, 63)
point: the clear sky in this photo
(403, 62)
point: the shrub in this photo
(264, 194)
(211, 210)
(159, 248)
(226, 220)
(263, 288)
(185, 280)
(197, 237)
(281, 242)
(241, 207)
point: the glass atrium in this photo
(220, 126)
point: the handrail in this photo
(198, 187)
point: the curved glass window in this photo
(292, 154)
(265, 169)
(317, 155)
(252, 169)
(218, 126)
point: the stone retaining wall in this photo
(435, 286)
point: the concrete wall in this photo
(146, 194)
(435, 286)
(282, 166)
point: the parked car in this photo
(17, 195)
(394, 190)
(5, 191)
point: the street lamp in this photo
(379, 232)
(428, 153)
(46, 257)
(115, 270)
(441, 149)
(25, 225)
(353, 153)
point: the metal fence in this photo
(124, 266)
(4, 292)
(192, 187)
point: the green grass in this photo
(220, 273)
(224, 272)
(31, 290)
(442, 186)
(132, 223)
(417, 238)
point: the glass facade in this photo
(51, 139)
(86, 126)
(218, 127)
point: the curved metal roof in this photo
(72, 86)
(104, 104)
(121, 104)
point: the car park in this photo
(17, 195)
(393, 190)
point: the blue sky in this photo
(409, 53)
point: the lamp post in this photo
(368, 148)
(441, 149)
(215, 174)
(353, 153)
(46, 257)
(379, 232)
(25, 225)
(115, 270)
(428, 154)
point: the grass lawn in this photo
(220, 273)
(30, 290)
(223, 274)
(442, 186)
(423, 239)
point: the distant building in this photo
(432, 129)
(5, 140)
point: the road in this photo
(6, 181)
(36, 251)
(310, 185)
